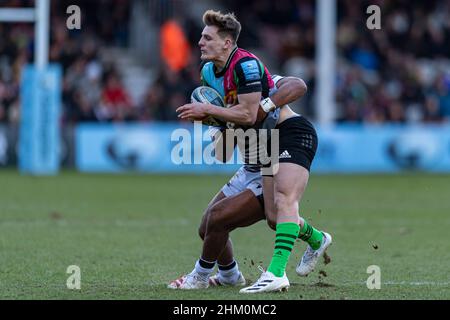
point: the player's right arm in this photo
(244, 113)
(247, 76)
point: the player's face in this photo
(212, 45)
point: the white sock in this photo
(203, 272)
(230, 275)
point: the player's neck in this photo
(222, 61)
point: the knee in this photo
(271, 218)
(202, 232)
(280, 201)
(285, 203)
(216, 221)
(203, 224)
(271, 222)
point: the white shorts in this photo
(243, 179)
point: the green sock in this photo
(311, 235)
(286, 235)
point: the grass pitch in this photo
(131, 234)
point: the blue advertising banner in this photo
(39, 137)
(365, 149)
(147, 148)
(169, 148)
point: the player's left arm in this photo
(289, 89)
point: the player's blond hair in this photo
(226, 23)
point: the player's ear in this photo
(228, 43)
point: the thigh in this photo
(240, 210)
(290, 180)
(298, 144)
(219, 196)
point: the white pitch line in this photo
(407, 283)
(417, 283)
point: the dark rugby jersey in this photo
(243, 73)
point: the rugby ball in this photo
(209, 95)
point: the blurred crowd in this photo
(92, 90)
(398, 74)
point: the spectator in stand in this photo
(76, 51)
(115, 102)
(85, 111)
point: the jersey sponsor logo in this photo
(231, 98)
(251, 70)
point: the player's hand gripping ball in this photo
(209, 95)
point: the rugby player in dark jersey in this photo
(238, 204)
(245, 83)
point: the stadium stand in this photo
(399, 74)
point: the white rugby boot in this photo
(311, 257)
(189, 282)
(268, 282)
(216, 280)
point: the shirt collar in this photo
(222, 72)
